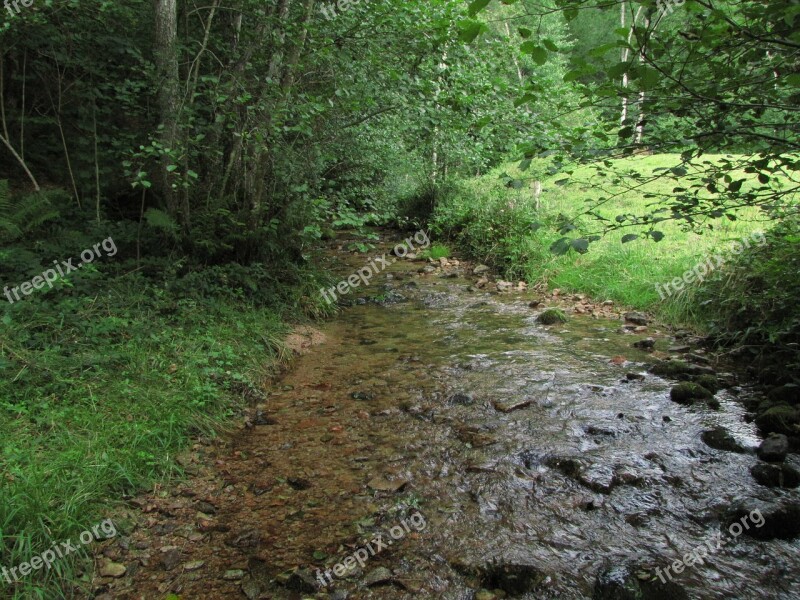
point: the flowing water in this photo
(519, 444)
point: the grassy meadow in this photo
(496, 223)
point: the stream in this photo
(525, 460)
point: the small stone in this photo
(645, 344)
(112, 569)
(170, 559)
(504, 286)
(378, 576)
(379, 484)
(302, 580)
(298, 483)
(679, 349)
(193, 565)
(480, 270)
(636, 318)
(233, 574)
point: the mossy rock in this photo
(551, 316)
(710, 382)
(779, 419)
(789, 394)
(674, 369)
(687, 392)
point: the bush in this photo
(753, 304)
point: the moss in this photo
(779, 419)
(688, 392)
(674, 369)
(710, 382)
(551, 316)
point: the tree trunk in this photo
(166, 55)
(625, 54)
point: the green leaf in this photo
(524, 32)
(580, 245)
(550, 45)
(629, 238)
(477, 6)
(470, 30)
(538, 53)
(560, 246)
(657, 235)
(649, 77)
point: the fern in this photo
(158, 219)
(17, 217)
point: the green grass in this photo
(97, 397)
(437, 251)
(495, 223)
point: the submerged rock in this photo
(720, 439)
(460, 399)
(513, 578)
(621, 583)
(598, 478)
(765, 521)
(781, 476)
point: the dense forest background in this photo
(599, 146)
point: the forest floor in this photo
(437, 440)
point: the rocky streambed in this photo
(595, 457)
